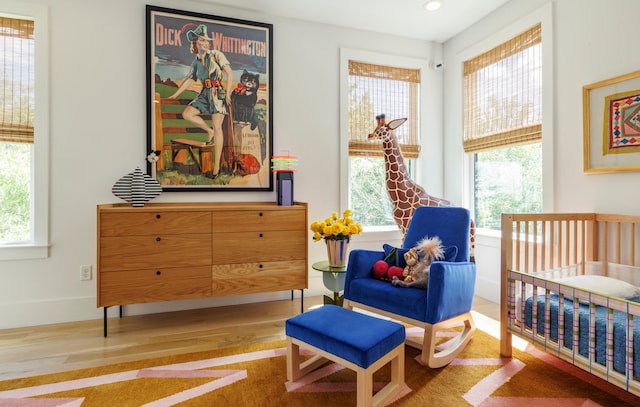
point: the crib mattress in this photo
(619, 330)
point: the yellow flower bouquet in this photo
(335, 228)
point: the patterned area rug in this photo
(256, 376)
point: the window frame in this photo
(38, 247)
(430, 125)
(544, 16)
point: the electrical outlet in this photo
(85, 272)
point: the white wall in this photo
(97, 67)
(591, 43)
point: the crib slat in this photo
(617, 243)
(576, 327)
(547, 317)
(553, 257)
(562, 243)
(592, 334)
(527, 246)
(517, 265)
(609, 340)
(632, 244)
(534, 247)
(583, 242)
(545, 238)
(574, 259)
(560, 322)
(605, 249)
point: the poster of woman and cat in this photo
(210, 101)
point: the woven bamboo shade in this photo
(376, 89)
(503, 94)
(17, 77)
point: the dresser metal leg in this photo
(105, 318)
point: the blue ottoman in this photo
(359, 342)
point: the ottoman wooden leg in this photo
(293, 361)
(388, 392)
(295, 369)
(364, 388)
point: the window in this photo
(16, 128)
(503, 127)
(23, 131)
(375, 89)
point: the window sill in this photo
(488, 232)
(23, 252)
(380, 234)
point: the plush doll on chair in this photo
(419, 259)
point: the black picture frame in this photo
(181, 158)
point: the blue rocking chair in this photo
(445, 304)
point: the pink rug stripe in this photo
(41, 402)
(198, 391)
(69, 385)
(225, 360)
(485, 387)
(537, 402)
(188, 374)
(480, 362)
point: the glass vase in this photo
(337, 252)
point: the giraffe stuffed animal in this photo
(405, 194)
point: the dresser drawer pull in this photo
(158, 273)
(158, 239)
(261, 235)
(260, 266)
(260, 214)
(158, 216)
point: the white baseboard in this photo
(55, 311)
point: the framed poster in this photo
(209, 102)
(611, 125)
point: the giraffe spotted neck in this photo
(405, 194)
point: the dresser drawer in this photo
(149, 285)
(242, 247)
(245, 278)
(154, 222)
(139, 252)
(244, 221)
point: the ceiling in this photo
(406, 18)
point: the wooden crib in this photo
(593, 329)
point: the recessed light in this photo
(432, 5)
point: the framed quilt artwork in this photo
(611, 125)
(209, 102)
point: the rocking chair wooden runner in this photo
(445, 304)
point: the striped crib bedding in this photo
(597, 344)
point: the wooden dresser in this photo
(175, 251)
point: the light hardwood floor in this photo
(55, 348)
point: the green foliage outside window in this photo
(507, 180)
(370, 200)
(15, 181)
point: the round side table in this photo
(333, 279)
